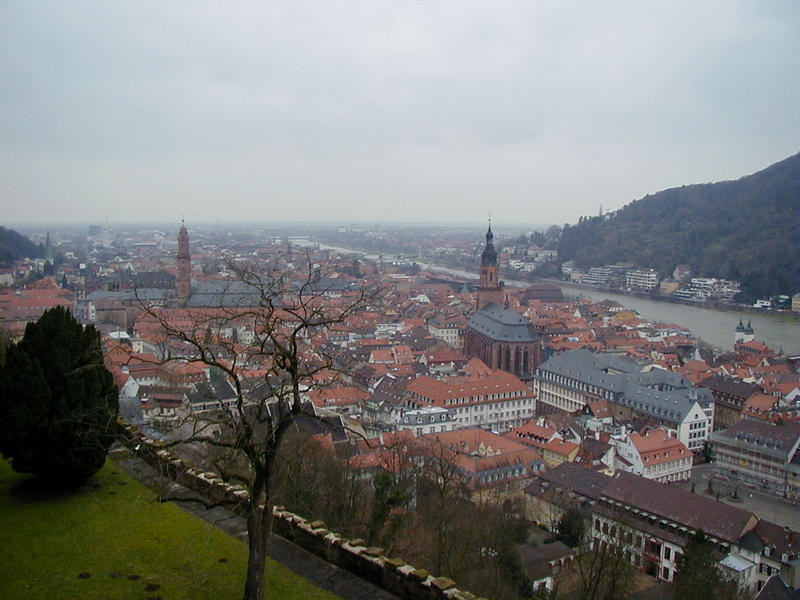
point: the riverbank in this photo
(783, 315)
(713, 326)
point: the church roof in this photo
(502, 324)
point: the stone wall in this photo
(369, 563)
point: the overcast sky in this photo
(385, 111)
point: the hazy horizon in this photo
(384, 112)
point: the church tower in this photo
(490, 288)
(183, 282)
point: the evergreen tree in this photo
(57, 400)
(571, 528)
(698, 576)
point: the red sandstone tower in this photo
(490, 289)
(183, 282)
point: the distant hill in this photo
(747, 230)
(14, 246)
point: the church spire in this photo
(489, 285)
(489, 255)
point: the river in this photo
(712, 326)
(715, 327)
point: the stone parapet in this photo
(370, 563)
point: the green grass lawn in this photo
(112, 539)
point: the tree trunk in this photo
(257, 553)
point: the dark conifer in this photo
(57, 401)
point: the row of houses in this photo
(653, 523)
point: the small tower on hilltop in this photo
(183, 281)
(490, 288)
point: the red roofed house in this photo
(485, 459)
(17, 308)
(760, 406)
(597, 416)
(497, 400)
(533, 433)
(654, 455)
(341, 399)
(400, 354)
(558, 451)
(752, 352)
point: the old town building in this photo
(483, 398)
(568, 381)
(504, 339)
(762, 455)
(490, 288)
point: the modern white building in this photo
(642, 279)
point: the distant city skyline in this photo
(384, 112)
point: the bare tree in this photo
(269, 376)
(604, 567)
(444, 500)
(316, 480)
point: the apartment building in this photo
(643, 280)
(729, 398)
(762, 455)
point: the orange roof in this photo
(601, 409)
(533, 432)
(337, 396)
(477, 368)
(474, 389)
(656, 447)
(476, 450)
(561, 447)
(759, 403)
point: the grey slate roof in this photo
(131, 295)
(777, 589)
(658, 393)
(728, 385)
(211, 391)
(728, 523)
(765, 438)
(503, 324)
(582, 480)
(215, 293)
(672, 405)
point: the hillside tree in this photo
(57, 401)
(284, 310)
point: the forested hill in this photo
(747, 230)
(14, 246)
